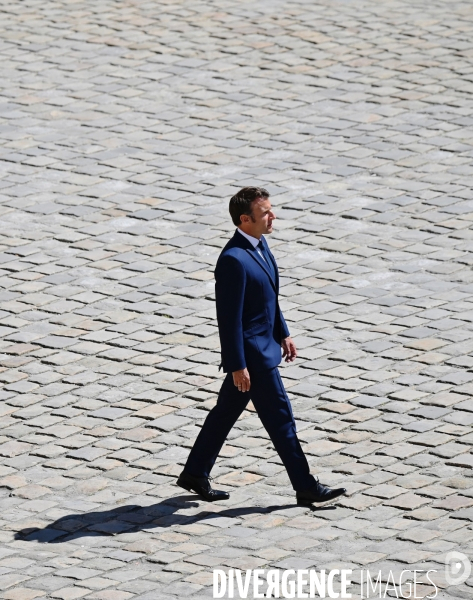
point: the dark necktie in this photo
(269, 262)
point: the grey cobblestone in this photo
(124, 130)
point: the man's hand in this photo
(241, 379)
(289, 351)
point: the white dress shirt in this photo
(253, 241)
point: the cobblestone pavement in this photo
(126, 126)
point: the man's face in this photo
(260, 222)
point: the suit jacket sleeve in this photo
(284, 328)
(230, 281)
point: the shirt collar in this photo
(253, 241)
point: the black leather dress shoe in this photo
(319, 494)
(201, 486)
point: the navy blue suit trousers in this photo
(274, 409)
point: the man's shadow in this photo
(132, 518)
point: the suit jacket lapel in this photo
(255, 255)
(273, 260)
(242, 242)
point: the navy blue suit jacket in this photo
(250, 323)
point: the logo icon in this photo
(457, 568)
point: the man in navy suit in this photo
(252, 333)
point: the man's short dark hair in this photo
(240, 203)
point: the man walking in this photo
(252, 332)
